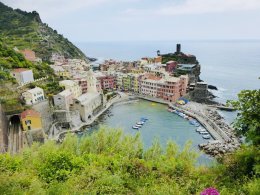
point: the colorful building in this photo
(73, 86)
(60, 71)
(167, 88)
(33, 96)
(23, 75)
(107, 81)
(31, 120)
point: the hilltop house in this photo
(33, 96)
(30, 55)
(22, 75)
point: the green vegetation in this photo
(109, 162)
(26, 31)
(248, 120)
(9, 59)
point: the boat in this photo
(135, 127)
(140, 123)
(144, 119)
(139, 126)
(199, 129)
(206, 136)
(204, 133)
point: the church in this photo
(90, 103)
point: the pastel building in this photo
(33, 96)
(166, 88)
(106, 81)
(60, 71)
(73, 86)
(31, 120)
(22, 75)
(170, 66)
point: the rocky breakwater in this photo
(217, 148)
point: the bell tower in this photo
(91, 82)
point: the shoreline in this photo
(224, 141)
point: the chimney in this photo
(178, 48)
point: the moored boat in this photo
(135, 127)
(206, 136)
(204, 133)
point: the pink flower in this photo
(210, 191)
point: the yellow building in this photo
(31, 120)
(137, 71)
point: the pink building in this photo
(83, 85)
(169, 88)
(107, 82)
(170, 66)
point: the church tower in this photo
(91, 82)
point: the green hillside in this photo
(26, 31)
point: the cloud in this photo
(50, 8)
(188, 7)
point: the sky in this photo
(148, 20)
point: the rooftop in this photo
(35, 90)
(26, 113)
(65, 93)
(18, 70)
(68, 83)
(87, 97)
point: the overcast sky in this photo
(117, 20)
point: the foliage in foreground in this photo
(109, 162)
(248, 119)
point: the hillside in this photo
(25, 30)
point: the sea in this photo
(230, 65)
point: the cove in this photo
(161, 125)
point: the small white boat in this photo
(204, 133)
(140, 123)
(135, 127)
(139, 126)
(200, 129)
(206, 136)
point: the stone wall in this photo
(3, 131)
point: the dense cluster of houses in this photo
(85, 85)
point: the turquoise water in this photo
(162, 125)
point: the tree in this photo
(248, 118)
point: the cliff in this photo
(25, 30)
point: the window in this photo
(28, 122)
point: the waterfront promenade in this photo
(121, 97)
